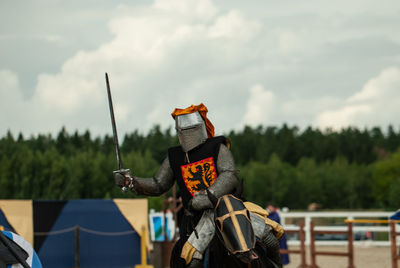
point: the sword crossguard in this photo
(123, 171)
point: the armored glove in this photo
(201, 201)
(124, 180)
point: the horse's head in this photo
(234, 226)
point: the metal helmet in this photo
(191, 130)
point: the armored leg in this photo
(195, 246)
(264, 233)
(195, 263)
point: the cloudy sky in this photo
(306, 63)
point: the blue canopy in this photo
(106, 237)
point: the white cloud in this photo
(16, 114)
(233, 26)
(9, 88)
(377, 103)
(170, 54)
(260, 107)
(173, 53)
(53, 38)
(345, 116)
(203, 9)
(380, 89)
(289, 42)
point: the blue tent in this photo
(107, 236)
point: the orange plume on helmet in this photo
(202, 109)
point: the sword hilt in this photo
(124, 172)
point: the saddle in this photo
(7, 247)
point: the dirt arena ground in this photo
(364, 257)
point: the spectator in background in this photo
(314, 207)
(274, 215)
(395, 216)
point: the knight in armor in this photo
(201, 162)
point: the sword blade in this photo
(114, 127)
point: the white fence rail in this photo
(349, 215)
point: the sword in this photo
(115, 134)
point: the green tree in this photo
(309, 184)
(386, 174)
(267, 182)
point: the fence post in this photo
(302, 245)
(302, 250)
(308, 229)
(143, 250)
(393, 243)
(77, 246)
(350, 246)
(312, 245)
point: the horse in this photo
(234, 245)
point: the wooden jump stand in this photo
(393, 234)
(349, 254)
(302, 250)
(349, 233)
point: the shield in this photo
(234, 225)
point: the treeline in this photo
(351, 168)
(290, 145)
